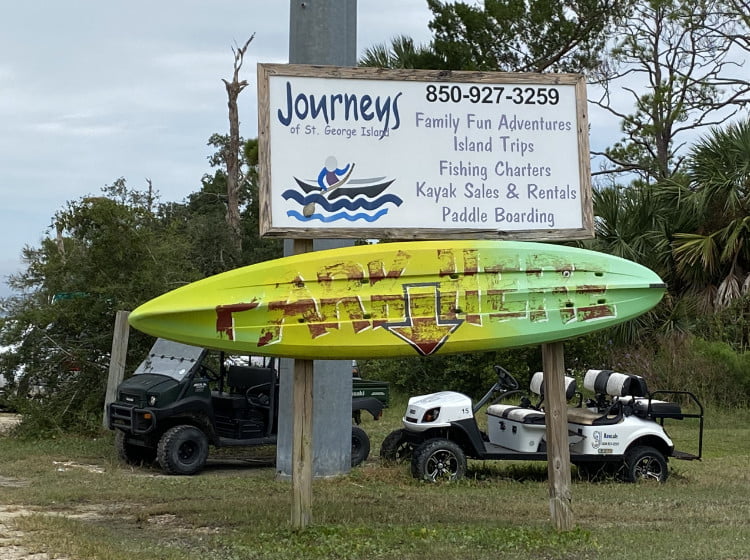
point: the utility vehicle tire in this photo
(645, 463)
(395, 448)
(182, 450)
(360, 446)
(438, 460)
(133, 454)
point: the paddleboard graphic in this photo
(336, 195)
(400, 299)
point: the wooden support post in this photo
(302, 436)
(558, 452)
(117, 360)
(302, 430)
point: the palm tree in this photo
(715, 257)
(637, 223)
(402, 53)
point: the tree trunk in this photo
(234, 172)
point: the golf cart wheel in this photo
(395, 448)
(645, 463)
(132, 454)
(360, 446)
(182, 450)
(438, 460)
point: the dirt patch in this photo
(13, 482)
(8, 421)
(10, 538)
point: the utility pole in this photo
(320, 32)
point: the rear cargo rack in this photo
(662, 415)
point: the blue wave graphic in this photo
(340, 203)
(339, 216)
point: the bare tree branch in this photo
(684, 56)
(234, 172)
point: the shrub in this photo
(711, 370)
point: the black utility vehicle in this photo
(181, 399)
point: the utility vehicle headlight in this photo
(431, 415)
(152, 400)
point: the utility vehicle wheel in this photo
(437, 460)
(645, 463)
(133, 454)
(395, 448)
(182, 450)
(360, 446)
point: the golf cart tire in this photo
(395, 448)
(360, 446)
(131, 454)
(182, 450)
(438, 460)
(645, 463)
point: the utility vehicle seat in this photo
(242, 378)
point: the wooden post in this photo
(117, 360)
(302, 437)
(302, 429)
(558, 452)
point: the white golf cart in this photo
(619, 431)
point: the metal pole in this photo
(320, 32)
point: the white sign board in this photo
(364, 152)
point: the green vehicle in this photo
(181, 399)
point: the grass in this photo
(84, 505)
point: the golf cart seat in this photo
(516, 413)
(537, 385)
(588, 417)
(631, 390)
(613, 384)
(533, 415)
(650, 408)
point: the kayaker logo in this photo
(597, 440)
(336, 193)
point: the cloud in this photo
(72, 127)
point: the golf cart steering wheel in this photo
(505, 378)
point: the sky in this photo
(92, 91)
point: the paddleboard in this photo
(401, 299)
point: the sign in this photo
(410, 154)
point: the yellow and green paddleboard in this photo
(401, 299)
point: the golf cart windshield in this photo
(171, 358)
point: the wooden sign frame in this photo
(462, 155)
